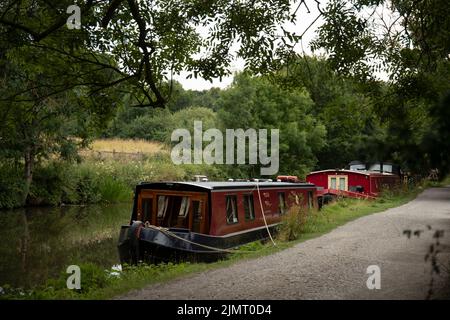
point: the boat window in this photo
(248, 207)
(341, 183)
(197, 212)
(356, 188)
(333, 183)
(358, 167)
(184, 207)
(377, 167)
(232, 214)
(162, 206)
(281, 203)
(147, 204)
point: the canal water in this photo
(40, 243)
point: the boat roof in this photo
(363, 172)
(221, 185)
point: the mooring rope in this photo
(262, 211)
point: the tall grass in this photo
(114, 190)
(128, 146)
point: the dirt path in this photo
(334, 265)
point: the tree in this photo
(408, 41)
(36, 125)
(343, 107)
(257, 103)
(143, 43)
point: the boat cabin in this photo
(352, 183)
(218, 208)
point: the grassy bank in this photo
(98, 283)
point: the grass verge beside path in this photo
(97, 283)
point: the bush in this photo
(150, 126)
(11, 187)
(293, 223)
(87, 184)
(53, 184)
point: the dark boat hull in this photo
(149, 244)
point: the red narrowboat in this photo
(201, 220)
(356, 182)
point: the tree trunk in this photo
(29, 164)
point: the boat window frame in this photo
(338, 178)
(140, 214)
(281, 212)
(165, 200)
(252, 217)
(236, 206)
(202, 207)
(193, 195)
(147, 217)
(184, 207)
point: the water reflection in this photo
(39, 243)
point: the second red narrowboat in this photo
(357, 181)
(173, 221)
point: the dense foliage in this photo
(409, 41)
(380, 92)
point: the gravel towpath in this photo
(334, 266)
